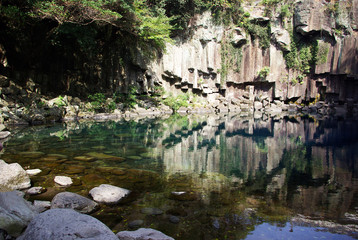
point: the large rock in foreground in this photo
(73, 201)
(66, 224)
(13, 176)
(143, 234)
(109, 194)
(15, 213)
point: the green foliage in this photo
(285, 11)
(77, 11)
(98, 101)
(298, 79)
(154, 26)
(322, 52)
(263, 73)
(158, 91)
(226, 11)
(269, 6)
(175, 103)
(301, 56)
(257, 30)
(60, 102)
(129, 100)
(231, 57)
(74, 36)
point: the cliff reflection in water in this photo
(311, 165)
(238, 171)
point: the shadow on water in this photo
(237, 177)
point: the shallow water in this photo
(242, 178)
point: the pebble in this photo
(33, 172)
(63, 180)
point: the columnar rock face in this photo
(198, 64)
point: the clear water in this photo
(243, 178)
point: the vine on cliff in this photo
(231, 57)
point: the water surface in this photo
(208, 176)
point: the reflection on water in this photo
(239, 175)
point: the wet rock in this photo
(84, 158)
(15, 213)
(41, 206)
(105, 156)
(143, 234)
(135, 224)
(32, 154)
(151, 211)
(57, 156)
(63, 180)
(72, 169)
(4, 134)
(109, 194)
(174, 219)
(94, 179)
(184, 196)
(66, 224)
(73, 201)
(112, 170)
(35, 190)
(216, 224)
(13, 176)
(33, 172)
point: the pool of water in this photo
(289, 177)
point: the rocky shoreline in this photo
(65, 217)
(69, 108)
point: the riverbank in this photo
(36, 109)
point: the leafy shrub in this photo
(98, 102)
(263, 73)
(60, 102)
(175, 103)
(129, 100)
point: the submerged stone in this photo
(57, 156)
(75, 169)
(84, 158)
(105, 156)
(135, 224)
(184, 196)
(134, 157)
(174, 219)
(152, 211)
(32, 154)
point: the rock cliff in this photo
(299, 52)
(198, 64)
